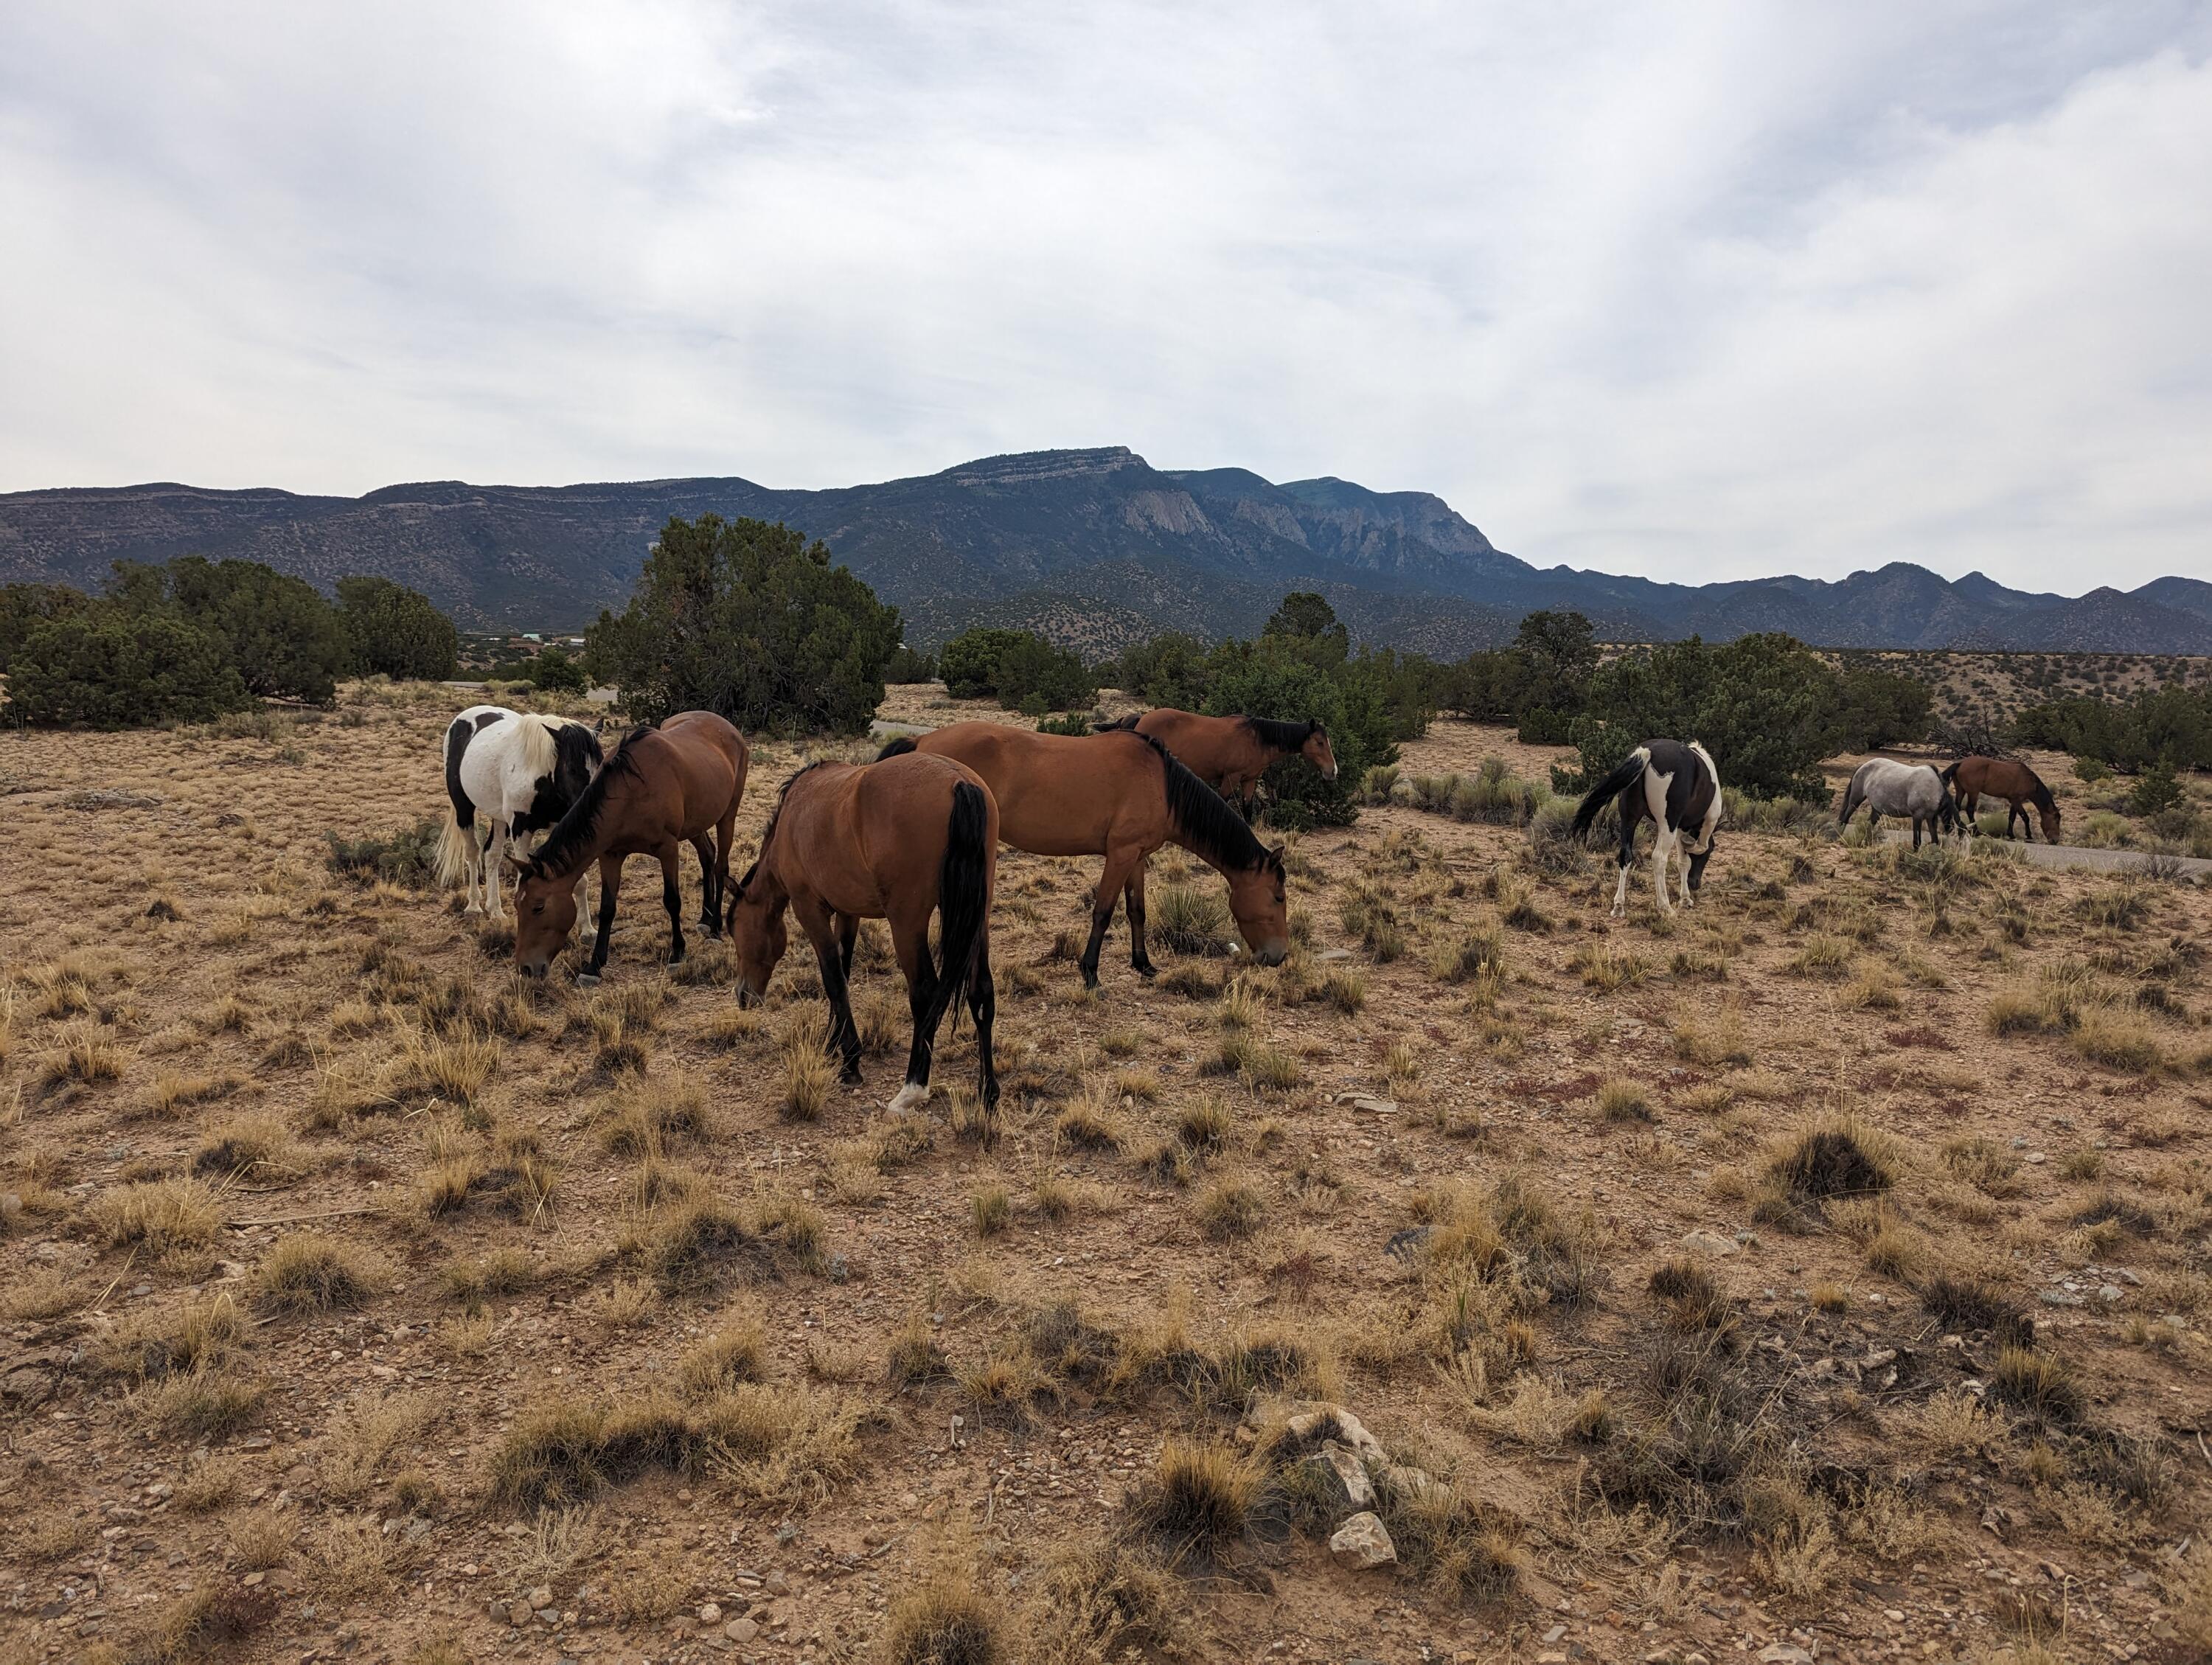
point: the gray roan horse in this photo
(1678, 790)
(1887, 787)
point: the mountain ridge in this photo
(1094, 544)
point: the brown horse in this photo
(894, 841)
(1120, 795)
(666, 786)
(2016, 783)
(1230, 754)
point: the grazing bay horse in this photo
(666, 786)
(2016, 783)
(1120, 795)
(1230, 754)
(893, 840)
(520, 771)
(1887, 787)
(1676, 788)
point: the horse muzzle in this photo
(748, 995)
(1272, 954)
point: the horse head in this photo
(545, 916)
(1318, 751)
(757, 934)
(1259, 899)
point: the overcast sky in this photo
(1693, 291)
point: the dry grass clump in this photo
(83, 1057)
(202, 1404)
(159, 1216)
(1966, 1303)
(1189, 919)
(737, 1353)
(366, 1431)
(204, 1335)
(173, 1092)
(990, 1210)
(1101, 1598)
(1200, 1499)
(1087, 1123)
(644, 1116)
(1840, 1158)
(691, 1240)
(944, 1620)
(455, 1068)
(315, 1272)
(258, 1147)
(2037, 1385)
(809, 1074)
(474, 1279)
(1230, 1207)
(1605, 966)
(1623, 1100)
(214, 1616)
(1473, 1552)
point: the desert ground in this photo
(1820, 1273)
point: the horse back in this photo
(1208, 746)
(1060, 794)
(706, 759)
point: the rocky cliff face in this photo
(1096, 545)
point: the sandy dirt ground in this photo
(1822, 1272)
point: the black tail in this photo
(1129, 721)
(1949, 776)
(963, 901)
(456, 744)
(899, 747)
(1626, 774)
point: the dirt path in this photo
(2081, 858)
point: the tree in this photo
(1033, 674)
(1272, 678)
(1763, 705)
(106, 666)
(285, 640)
(969, 662)
(1306, 618)
(909, 666)
(24, 607)
(746, 618)
(554, 673)
(1882, 709)
(396, 632)
(1560, 652)
(1168, 670)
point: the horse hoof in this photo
(1147, 972)
(909, 1097)
(587, 980)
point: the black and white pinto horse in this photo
(1887, 787)
(1676, 788)
(520, 771)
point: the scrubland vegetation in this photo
(1825, 1268)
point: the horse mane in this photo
(1282, 737)
(2040, 797)
(1202, 818)
(534, 732)
(1118, 724)
(572, 834)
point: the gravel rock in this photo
(1361, 1542)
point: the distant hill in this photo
(1095, 547)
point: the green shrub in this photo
(749, 620)
(25, 607)
(908, 665)
(395, 631)
(104, 667)
(554, 673)
(284, 638)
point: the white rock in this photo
(1712, 1243)
(1361, 1542)
(1345, 1475)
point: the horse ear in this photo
(1275, 856)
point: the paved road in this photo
(2078, 856)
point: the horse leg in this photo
(672, 897)
(820, 929)
(1110, 886)
(495, 859)
(983, 1005)
(910, 942)
(1133, 899)
(848, 928)
(609, 887)
(710, 895)
(1915, 832)
(1624, 860)
(1662, 847)
(1689, 897)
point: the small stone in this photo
(1784, 1653)
(2061, 1297)
(777, 1582)
(541, 1596)
(1343, 1476)
(1554, 1634)
(1709, 1242)
(497, 1611)
(1361, 1542)
(710, 1612)
(741, 1630)
(2109, 1293)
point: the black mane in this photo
(2041, 796)
(569, 843)
(1282, 737)
(1204, 823)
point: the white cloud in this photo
(1701, 292)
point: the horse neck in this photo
(588, 844)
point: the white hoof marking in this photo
(910, 1097)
